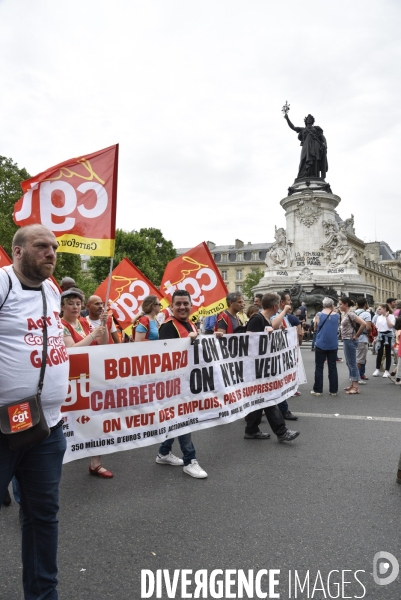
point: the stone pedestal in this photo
(313, 253)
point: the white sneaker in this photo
(195, 470)
(361, 382)
(169, 459)
(376, 373)
(386, 374)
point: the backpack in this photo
(373, 333)
(355, 325)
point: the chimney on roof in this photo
(211, 245)
(239, 243)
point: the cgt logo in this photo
(205, 280)
(20, 417)
(78, 397)
(382, 561)
(127, 304)
(66, 202)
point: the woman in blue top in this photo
(145, 328)
(326, 346)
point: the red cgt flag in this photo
(77, 201)
(129, 287)
(196, 272)
(5, 260)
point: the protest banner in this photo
(130, 395)
(196, 272)
(76, 200)
(5, 260)
(129, 287)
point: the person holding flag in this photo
(179, 326)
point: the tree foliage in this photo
(10, 191)
(68, 265)
(250, 281)
(146, 248)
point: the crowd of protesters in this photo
(25, 291)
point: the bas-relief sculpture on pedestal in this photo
(280, 254)
(339, 252)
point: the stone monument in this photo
(312, 257)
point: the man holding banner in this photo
(179, 326)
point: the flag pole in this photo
(109, 283)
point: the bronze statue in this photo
(314, 148)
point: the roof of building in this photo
(231, 248)
(385, 251)
(245, 247)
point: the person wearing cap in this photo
(77, 334)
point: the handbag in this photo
(23, 422)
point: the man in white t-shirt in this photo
(97, 316)
(37, 468)
(363, 340)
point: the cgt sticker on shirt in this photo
(20, 417)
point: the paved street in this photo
(326, 501)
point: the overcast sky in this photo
(192, 90)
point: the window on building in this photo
(238, 288)
(255, 255)
(238, 274)
(224, 257)
(240, 256)
(224, 275)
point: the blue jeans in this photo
(350, 347)
(187, 447)
(38, 472)
(320, 357)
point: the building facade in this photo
(377, 263)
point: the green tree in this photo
(250, 281)
(68, 265)
(10, 191)
(146, 248)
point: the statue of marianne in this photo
(314, 149)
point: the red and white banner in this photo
(5, 260)
(130, 395)
(196, 272)
(77, 200)
(129, 287)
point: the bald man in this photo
(97, 316)
(67, 283)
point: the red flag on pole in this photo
(129, 287)
(76, 200)
(196, 272)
